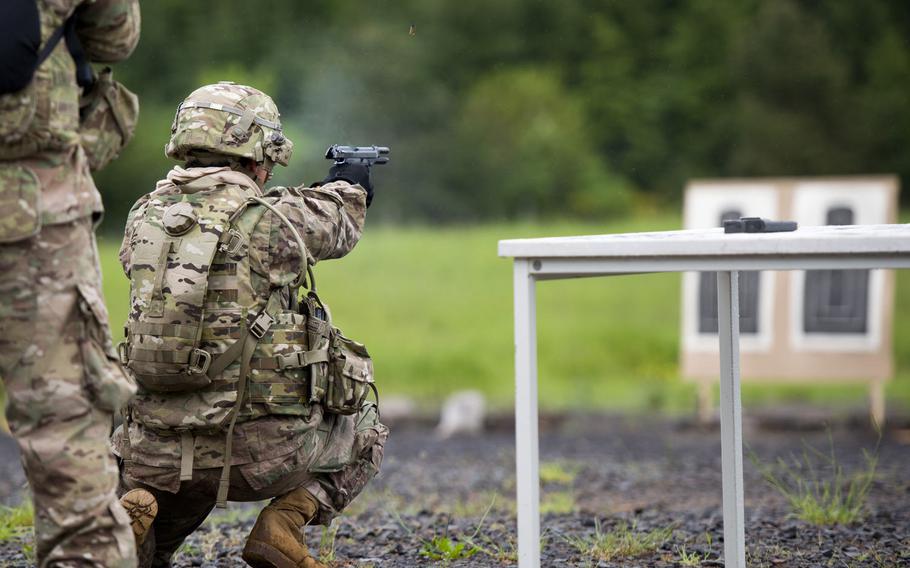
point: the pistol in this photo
(758, 225)
(364, 155)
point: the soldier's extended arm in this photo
(352, 164)
(108, 29)
(329, 217)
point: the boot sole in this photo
(142, 508)
(261, 555)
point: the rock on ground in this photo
(462, 413)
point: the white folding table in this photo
(809, 248)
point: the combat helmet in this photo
(231, 120)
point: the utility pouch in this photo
(107, 385)
(342, 384)
(318, 326)
(350, 375)
(350, 459)
(20, 202)
(108, 113)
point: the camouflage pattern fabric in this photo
(62, 386)
(229, 120)
(55, 350)
(236, 286)
(280, 442)
(109, 113)
(190, 290)
(357, 441)
(41, 122)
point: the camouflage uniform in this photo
(176, 445)
(55, 349)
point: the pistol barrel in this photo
(370, 154)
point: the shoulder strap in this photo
(51, 43)
(85, 76)
(306, 260)
(229, 355)
(247, 342)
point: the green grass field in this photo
(434, 306)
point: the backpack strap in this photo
(245, 346)
(306, 260)
(254, 332)
(51, 44)
(85, 75)
(126, 447)
(187, 453)
(296, 359)
(222, 361)
(249, 339)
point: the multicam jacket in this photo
(330, 220)
(39, 125)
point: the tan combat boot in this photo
(276, 540)
(142, 507)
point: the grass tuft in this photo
(444, 548)
(817, 488)
(693, 558)
(502, 550)
(447, 549)
(16, 522)
(558, 472)
(557, 502)
(327, 543)
(625, 541)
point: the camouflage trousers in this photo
(182, 511)
(62, 386)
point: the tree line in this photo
(535, 108)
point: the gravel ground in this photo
(612, 474)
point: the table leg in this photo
(731, 439)
(526, 443)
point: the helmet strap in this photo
(261, 172)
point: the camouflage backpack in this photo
(207, 334)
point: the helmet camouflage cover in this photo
(230, 120)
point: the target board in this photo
(799, 326)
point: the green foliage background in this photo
(529, 109)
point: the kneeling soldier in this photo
(246, 390)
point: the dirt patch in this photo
(601, 473)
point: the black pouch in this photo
(20, 40)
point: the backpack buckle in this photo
(199, 362)
(233, 244)
(261, 325)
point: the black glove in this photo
(352, 173)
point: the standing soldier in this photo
(56, 357)
(246, 390)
